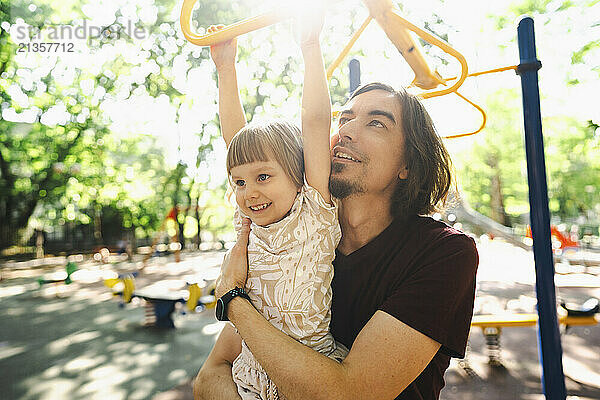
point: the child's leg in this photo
(252, 381)
(339, 353)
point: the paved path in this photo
(81, 345)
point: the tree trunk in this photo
(178, 175)
(98, 225)
(198, 215)
(497, 202)
(496, 199)
(24, 207)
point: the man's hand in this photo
(234, 270)
(214, 381)
(223, 54)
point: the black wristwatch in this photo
(223, 302)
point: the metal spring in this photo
(149, 315)
(492, 341)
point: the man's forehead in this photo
(374, 99)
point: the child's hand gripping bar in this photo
(230, 31)
(396, 28)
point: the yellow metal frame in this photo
(128, 282)
(230, 31)
(396, 28)
(517, 320)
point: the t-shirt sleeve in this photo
(437, 297)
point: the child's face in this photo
(263, 191)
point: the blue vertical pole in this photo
(354, 67)
(550, 350)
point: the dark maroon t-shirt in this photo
(420, 271)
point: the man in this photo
(404, 284)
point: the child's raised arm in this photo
(316, 109)
(231, 111)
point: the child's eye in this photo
(263, 177)
(240, 182)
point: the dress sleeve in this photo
(437, 298)
(323, 216)
(313, 196)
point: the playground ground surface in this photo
(75, 342)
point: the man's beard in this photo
(341, 188)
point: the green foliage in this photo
(572, 154)
(571, 145)
(60, 158)
(533, 6)
(590, 51)
(498, 153)
(573, 164)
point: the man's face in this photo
(367, 153)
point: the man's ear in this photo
(403, 174)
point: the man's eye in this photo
(377, 123)
(342, 120)
(263, 177)
(240, 182)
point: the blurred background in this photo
(104, 134)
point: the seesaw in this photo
(161, 299)
(397, 30)
(491, 325)
(61, 276)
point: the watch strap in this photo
(227, 297)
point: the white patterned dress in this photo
(289, 282)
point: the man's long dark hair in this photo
(425, 190)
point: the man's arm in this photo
(385, 358)
(231, 111)
(214, 381)
(316, 108)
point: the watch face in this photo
(220, 310)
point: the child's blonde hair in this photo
(277, 140)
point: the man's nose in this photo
(347, 131)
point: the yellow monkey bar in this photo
(396, 28)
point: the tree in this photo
(59, 137)
(493, 171)
(573, 154)
(492, 177)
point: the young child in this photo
(284, 191)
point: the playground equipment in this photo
(565, 241)
(491, 324)
(564, 248)
(397, 30)
(465, 213)
(123, 286)
(160, 301)
(60, 277)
